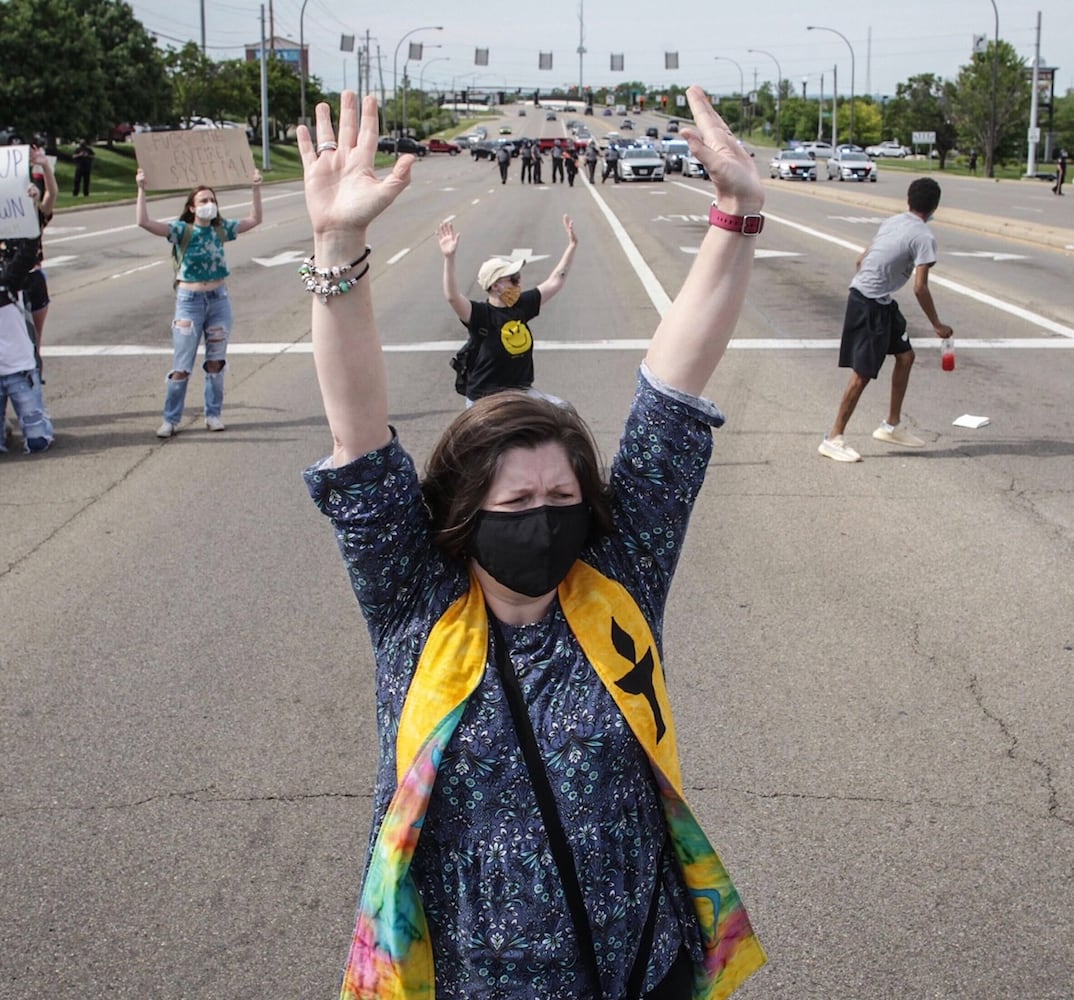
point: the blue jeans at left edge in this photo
(24, 391)
(209, 315)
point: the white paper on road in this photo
(970, 421)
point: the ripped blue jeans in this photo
(24, 391)
(198, 315)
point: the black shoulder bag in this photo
(463, 359)
(557, 839)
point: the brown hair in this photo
(465, 460)
(188, 208)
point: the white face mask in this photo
(206, 212)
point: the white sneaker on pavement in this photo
(167, 429)
(897, 435)
(215, 424)
(836, 448)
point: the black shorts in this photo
(35, 291)
(871, 331)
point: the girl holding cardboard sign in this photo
(202, 305)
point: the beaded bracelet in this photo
(326, 281)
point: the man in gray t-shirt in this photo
(873, 326)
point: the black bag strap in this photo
(557, 839)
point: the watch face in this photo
(752, 224)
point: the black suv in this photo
(387, 144)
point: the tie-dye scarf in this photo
(391, 954)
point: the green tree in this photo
(52, 80)
(1063, 122)
(193, 82)
(75, 68)
(922, 105)
(972, 97)
(136, 82)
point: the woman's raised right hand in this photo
(343, 193)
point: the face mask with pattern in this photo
(510, 294)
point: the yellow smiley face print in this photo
(516, 337)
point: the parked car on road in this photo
(639, 163)
(848, 165)
(818, 149)
(443, 146)
(792, 165)
(693, 167)
(675, 151)
(889, 147)
(387, 144)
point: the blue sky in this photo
(890, 41)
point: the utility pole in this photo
(581, 45)
(1034, 131)
(203, 27)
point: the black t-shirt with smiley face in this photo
(504, 358)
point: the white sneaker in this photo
(215, 424)
(167, 429)
(897, 435)
(836, 448)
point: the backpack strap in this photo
(179, 250)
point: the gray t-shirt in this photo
(901, 244)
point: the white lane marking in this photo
(659, 298)
(135, 270)
(284, 257)
(985, 299)
(986, 255)
(450, 346)
(398, 256)
(51, 262)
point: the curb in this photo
(1051, 237)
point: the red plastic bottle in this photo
(947, 354)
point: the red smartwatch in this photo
(747, 225)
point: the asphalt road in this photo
(871, 664)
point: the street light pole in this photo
(395, 74)
(995, 86)
(817, 27)
(779, 91)
(302, 65)
(421, 83)
(741, 84)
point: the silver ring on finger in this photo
(322, 146)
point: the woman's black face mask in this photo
(530, 551)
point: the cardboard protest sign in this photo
(187, 158)
(18, 211)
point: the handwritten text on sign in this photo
(18, 213)
(217, 157)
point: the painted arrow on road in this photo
(756, 253)
(51, 262)
(987, 254)
(286, 257)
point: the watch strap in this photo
(747, 225)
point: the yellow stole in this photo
(391, 953)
